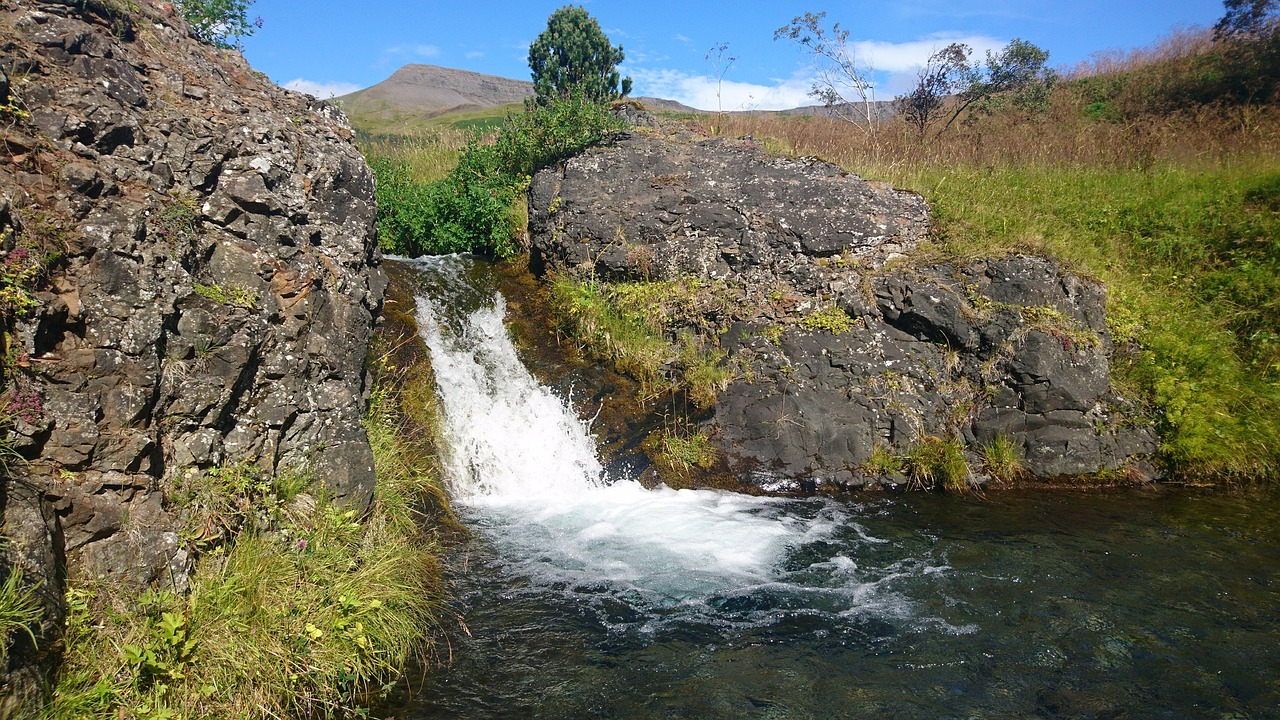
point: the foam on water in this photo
(523, 470)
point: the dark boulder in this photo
(837, 351)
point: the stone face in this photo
(1011, 347)
(215, 286)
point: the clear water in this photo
(586, 596)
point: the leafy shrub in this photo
(219, 22)
(475, 207)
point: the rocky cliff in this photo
(190, 281)
(846, 344)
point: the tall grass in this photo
(1174, 211)
(315, 617)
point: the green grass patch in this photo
(617, 332)
(934, 462)
(1191, 258)
(19, 611)
(830, 319)
(1002, 459)
(677, 454)
(313, 614)
(625, 324)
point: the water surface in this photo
(585, 595)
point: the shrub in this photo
(476, 207)
(219, 22)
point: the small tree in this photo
(219, 22)
(1016, 75)
(573, 53)
(845, 84)
(946, 72)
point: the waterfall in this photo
(523, 472)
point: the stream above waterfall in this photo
(582, 594)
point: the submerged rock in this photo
(840, 342)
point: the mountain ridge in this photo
(418, 92)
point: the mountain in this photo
(419, 92)
(416, 93)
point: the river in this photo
(583, 595)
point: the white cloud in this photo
(474, 54)
(908, 56)
(699, 91)
(322, 90)
(426, 50)
(682, 39)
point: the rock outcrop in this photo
(190, 281)
(841, 339)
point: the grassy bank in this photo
(1174, 208)
(297, 609)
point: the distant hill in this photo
(415, 94)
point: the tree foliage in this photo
(844, 83)
(1248, 18)
(947, 72)
(1018, 75)
(220, 22)
(573, 54)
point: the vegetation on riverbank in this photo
(435, 199)
(1150, 173)
(1154, 171)
(297, 607)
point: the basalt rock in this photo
(838, 351)
(206, 284)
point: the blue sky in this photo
(330, 48)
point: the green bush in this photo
(219, 22)
(475, 207)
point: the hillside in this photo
(415, 94)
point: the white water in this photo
(522, 468)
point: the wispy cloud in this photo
(682, 39)
(474, 54)
(405, 53)
(908, 56)
(323, 90)
(699, 91)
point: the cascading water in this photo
(582, 595)
(523, 467)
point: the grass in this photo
(19, 611)
(1174, 211)
(1002, 459)
(935, 462)
(676, 452)
(376, 121)
(625, 324)
(316, 615)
